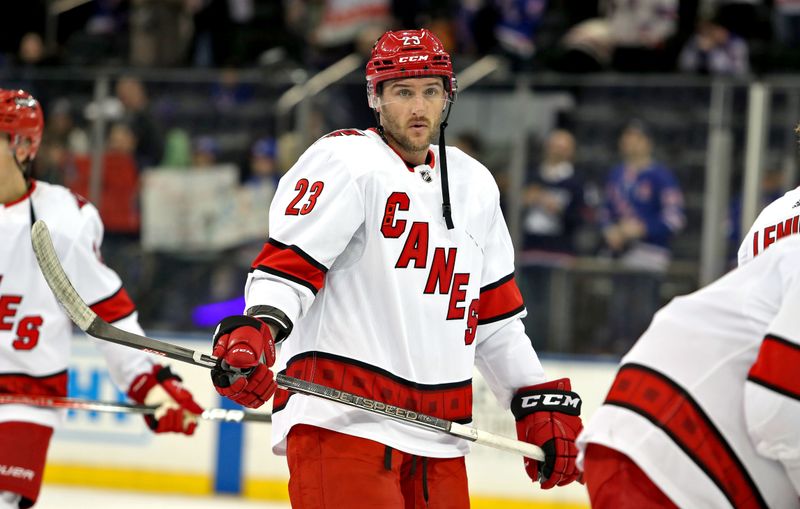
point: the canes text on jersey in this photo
(442, 275)
(26, 328)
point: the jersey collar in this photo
(430, 159)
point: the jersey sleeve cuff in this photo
(277, 295)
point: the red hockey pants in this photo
(330, 470)
(615, 482)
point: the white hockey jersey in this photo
(707, 402)
(387, 302)
(35, 333)
(778, 219)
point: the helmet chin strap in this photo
(446, 208)
(24, 168)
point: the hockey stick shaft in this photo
(210, 414)
(89, 322)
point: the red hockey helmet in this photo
(21, 117)
(408, 54)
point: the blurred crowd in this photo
(629, 215)
(702, 36)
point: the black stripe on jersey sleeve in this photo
(499, 282)
(498, 318)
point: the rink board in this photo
(117, 451)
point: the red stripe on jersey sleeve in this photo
(776, 366)
(292, 263)
(499, 300)
(669, 407)
(114, 308)
(451, 401)
(17, 383)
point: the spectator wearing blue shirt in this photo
(643, 210)
(643, 206)
(715, 50)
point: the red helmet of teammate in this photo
(21, 117)
(408, 54)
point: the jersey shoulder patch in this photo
(344, 132)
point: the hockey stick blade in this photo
(95, 326)
(86, 319)
(210, 414)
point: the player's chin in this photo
(419, 136)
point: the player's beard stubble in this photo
(396, 132)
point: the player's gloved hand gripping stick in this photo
(89, 322)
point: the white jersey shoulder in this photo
(702, 402)
(36, 334)
(778, 219)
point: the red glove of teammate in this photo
(177, 411)
(244, 343)
(548, 415)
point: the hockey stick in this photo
(210, 414)
(89, 322)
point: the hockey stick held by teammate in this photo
(209, 414)
(35, 333)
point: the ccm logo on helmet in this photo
(571, 400)
(413, 58)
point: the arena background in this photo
(163, 113)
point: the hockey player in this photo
(778, 219)
(35, 332)
(378, 285)
(705, 408)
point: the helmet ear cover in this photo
(21, 119)
(408, 54)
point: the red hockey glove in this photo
(245, 344)
(548, 415)
(177, 411)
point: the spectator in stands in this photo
(229, 93)
(205, 151)
(553, 198)
(553, 208)
(786, 22)
(131, 94)
(61, 142)
(32, 52)
(340, 23)
(715, 50)
(264, 163)
(177, 149)
(160, 32)
(61, 128)
(643, 210)
(641, 31)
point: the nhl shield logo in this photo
(426, 175)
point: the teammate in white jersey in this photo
(705, 408)
(778, 219)
(35, 333)
(384, 279)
